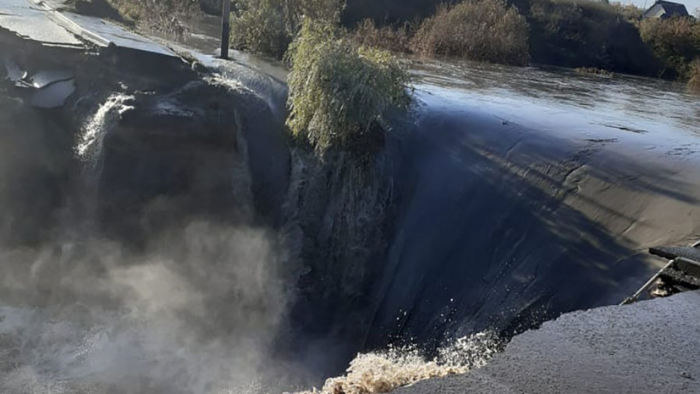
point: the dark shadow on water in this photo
(485, 239)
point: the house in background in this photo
(666, 9)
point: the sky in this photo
(691, 5)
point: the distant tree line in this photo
(588, 34)
(585, 34)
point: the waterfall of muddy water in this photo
(384, 371)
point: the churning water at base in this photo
(83, 350)
(384, 371)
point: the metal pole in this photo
(225, 27)
(647, 285)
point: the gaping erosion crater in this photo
(160, 232)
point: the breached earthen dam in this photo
(161, 233)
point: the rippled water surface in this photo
(547, 97)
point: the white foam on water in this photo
(383, 372)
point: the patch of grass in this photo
(140, 10)
(594, 71)
(268, 26)
(339, 92)
(482, 30)
(155, 14)
(98, 8)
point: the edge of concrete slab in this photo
(631, 349)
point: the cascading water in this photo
(89, 151)
(89, 147)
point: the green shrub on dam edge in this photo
(339, 91)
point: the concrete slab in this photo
(45, 78)
(30, 22)
(53, 96)
(40, 21)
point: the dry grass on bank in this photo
(630, 12)
(390, 38)
(481, 30)
(158, 15)
(694, 83)
(267, 27)
(134, 10)
(675, 41)
(594, 71)
(260, 28)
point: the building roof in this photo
(665, 9)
